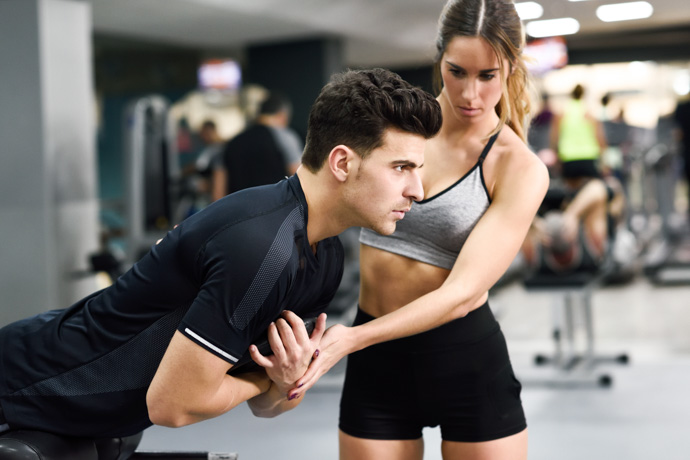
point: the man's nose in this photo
(415, 189)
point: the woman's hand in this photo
(292, 348)
(335, 344)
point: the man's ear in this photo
(342, 162)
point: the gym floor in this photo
(643, 415)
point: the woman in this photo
(482, 189)
(579, 139)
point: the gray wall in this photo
(48, 206)
(305, 67)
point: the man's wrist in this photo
(260, 379)
(282, 389)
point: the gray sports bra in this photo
(436, 228)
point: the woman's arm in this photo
(521, 183)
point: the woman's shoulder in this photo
(510, 148)
(510, 162)
(513, 156)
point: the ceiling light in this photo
(638, 67)
(552, 27)
(624, 11)
(529, 10)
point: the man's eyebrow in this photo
(409, 163)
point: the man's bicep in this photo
(188, 364)
(186, 378)
(192, 384)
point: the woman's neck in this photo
(455, 129)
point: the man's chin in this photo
(385, 230)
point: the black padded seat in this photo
(38, 445)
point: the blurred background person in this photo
(264, 153)
(617, 134)
(213, 146)
(539, 132)
(539, 135)
(197, 176)
(578, 138)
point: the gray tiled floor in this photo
(645, 414)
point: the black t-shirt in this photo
(253, 158)
(220, 278)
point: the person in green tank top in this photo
(578, 138)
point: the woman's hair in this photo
(497, 22)
(356, 107)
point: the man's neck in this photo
(323, 203)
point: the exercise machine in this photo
(572, 307)
(152, 172)
(667, 260)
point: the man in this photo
(264, 153)
(156, 347)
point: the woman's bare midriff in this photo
(390, 281)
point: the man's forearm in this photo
(172, 408)
(272, 403)
(237, 389)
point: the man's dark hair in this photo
(356, 107)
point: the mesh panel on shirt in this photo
(128, 367)
(273, 264)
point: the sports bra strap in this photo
(485, 152)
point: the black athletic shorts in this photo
(580, 168)
(457, 376)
